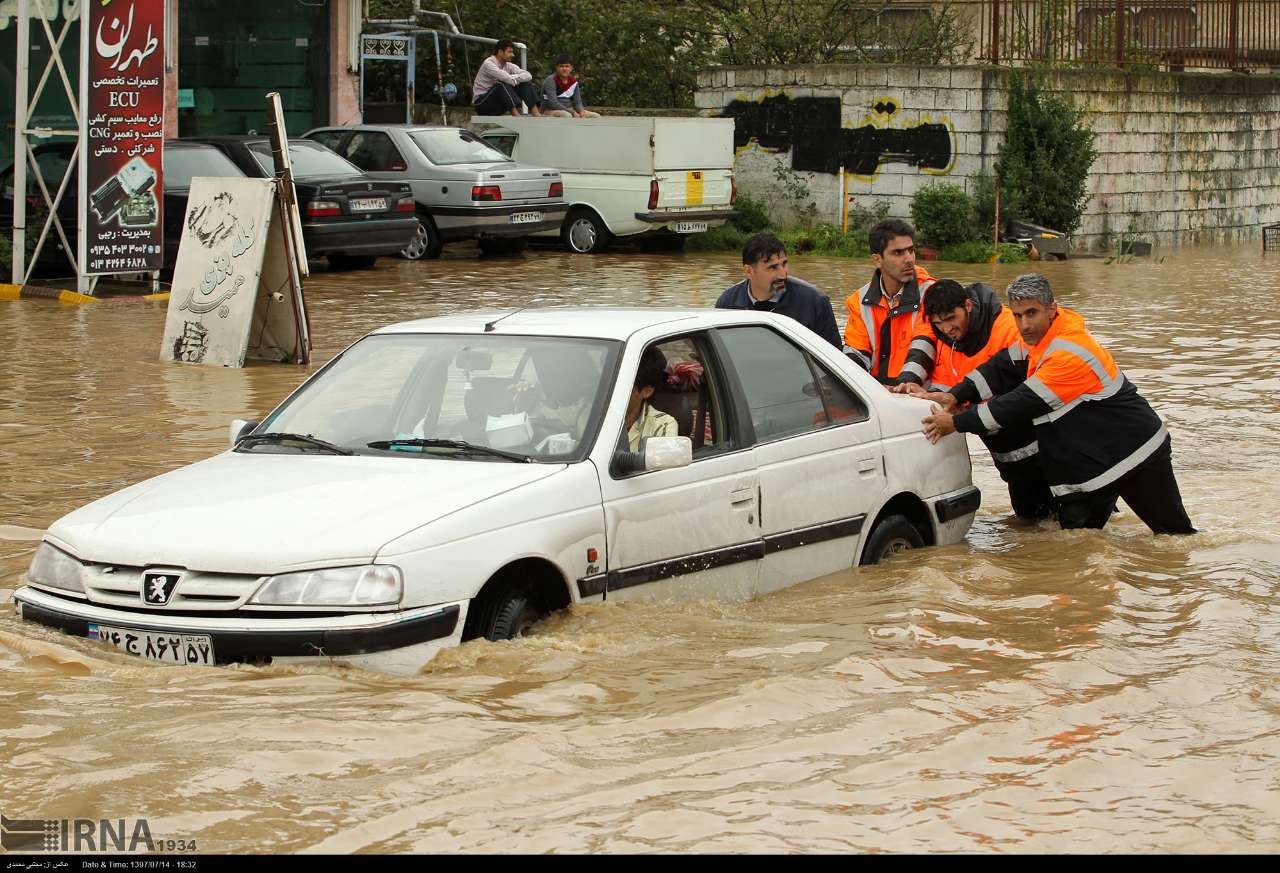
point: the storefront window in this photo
(233, 52)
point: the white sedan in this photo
(463, 476)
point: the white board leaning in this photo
(232, 297)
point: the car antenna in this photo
(489, 327)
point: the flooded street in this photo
(1029, 690)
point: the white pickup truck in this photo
(663, 178)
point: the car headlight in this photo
(56, 568)
(371, 585)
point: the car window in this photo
(182, 163)
(308, 159)
(778, 384)
(503, 142)
(537, 396)
(330, 139)
(373, 151)
(688, 394)
(449, 146)
(843, 405)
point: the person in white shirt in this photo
(501, 86)
(642, 420)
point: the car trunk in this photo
(518, 183)
(374, 197)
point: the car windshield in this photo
(449, 146)
(307, 158)
(464, 397)
(181, 163)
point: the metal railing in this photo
(1171, 34)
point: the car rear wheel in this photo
(351, 262)
(893, 534)
(426, 243)
(584, 233)
(512, 616)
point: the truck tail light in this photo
(556, 189)
(733, 190)
(321, 208)
(653, 193)
(486, 192)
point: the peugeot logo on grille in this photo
(158, 586)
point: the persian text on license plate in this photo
(368, 204)
(526, 217)
(690, 226)
(162, 647)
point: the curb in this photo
(39, 292)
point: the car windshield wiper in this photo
(462, 446)
(254, 439)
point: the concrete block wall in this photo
(1183, 157)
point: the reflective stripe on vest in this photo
(1030, 449)
(1129, 464)
(1110, 385)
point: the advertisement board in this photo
(122, 138)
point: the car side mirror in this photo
(656, 453)
(240, 428)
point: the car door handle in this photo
(867, 467)
(742, 497)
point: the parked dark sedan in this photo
(327, 233)
(347, 216)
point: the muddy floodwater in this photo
(1029, 690)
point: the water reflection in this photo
(1027, 690)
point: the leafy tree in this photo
(943, 214)
(1045, 158)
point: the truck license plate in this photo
(691, 226)
(526, 217)
(368, 204)
(165, 648)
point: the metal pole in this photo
(1233, 34)
(22, 117)
(995, 32)
(1119, 33)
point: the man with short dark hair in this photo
(886, 332)
(770, 288)
(562, 92)
(500, 85)
(1098, 437)
(971, 327)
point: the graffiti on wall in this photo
(810, 128)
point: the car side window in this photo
(782, 394)
(330, 139)
(843, 405)
(373, 151)
(688, 401)
(503, 142)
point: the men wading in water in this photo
(971, 327)
(1098, 438)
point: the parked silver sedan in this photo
(464, 187)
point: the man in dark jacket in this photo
(769, 288)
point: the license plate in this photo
(690, 226)
(526, 217)
(165, 648)
(368, 204)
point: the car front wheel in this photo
(425, 245)
(893, 534)
(584, 233)
(512, 616)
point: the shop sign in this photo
(122, 138)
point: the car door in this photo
(817, 451)
(691, 532)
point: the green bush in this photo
(865, 218)
(977, 252)
(1045, 158)
(942, 214)
(6, 258)
(826, 239)
(753, 215)
(725, 238)
(984, 206)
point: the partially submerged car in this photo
(464, 476)
(347, 217)
(464, 188)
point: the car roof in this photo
(408, 128)
(602, 322)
